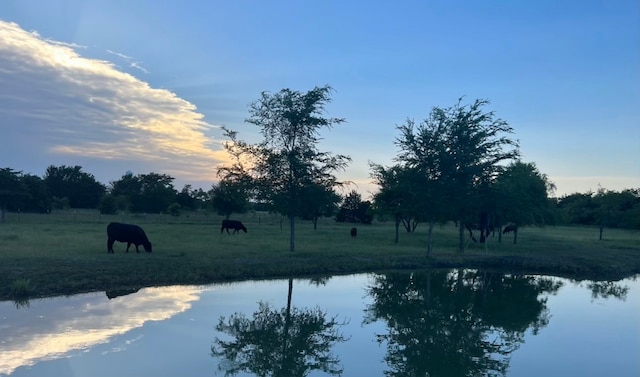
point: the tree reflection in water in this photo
(286, 342)
(456, 323)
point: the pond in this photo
(428, 323)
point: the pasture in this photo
(65, 252)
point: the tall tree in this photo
(288, 159)
(476, 145)
(81, 188)
(522, 196)
(11, 190)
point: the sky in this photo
(144, 86)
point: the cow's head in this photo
(147, 247)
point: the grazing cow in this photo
(354, 232)
(129, 233)
(232, 224)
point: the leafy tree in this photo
(108, 205)
(81, 188)
(38, 199)
(578, 208)
(229, 197)
(12, 189)
(288, 159)
(187, 198)
(317, 201)
(522, 196)
(612, 209)
(354, 210)
(401, 195)
(150, 193)
(474, 145)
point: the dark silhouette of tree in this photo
(354, 210)
(289, 342)
(317, 201)
(229, 197)
(38, 199)
(145, 193)
(80, 188)
(12, 190)
(612, 209)
(288, 159)
(456, 323)
(521, 196)
(458, 150)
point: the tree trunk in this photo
(315, 222)
(397, 229)
(601, 229)
(3, 216)
(292, 229)
(500, 233)
(461, 237)
(515, 235)
(430, 238)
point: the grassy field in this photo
(65, 252)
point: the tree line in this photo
(460, 164)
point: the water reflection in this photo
(50, 328)
(279, 342)
(458, 323)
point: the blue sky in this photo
(143, 86)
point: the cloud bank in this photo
(56, 103)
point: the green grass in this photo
(65, 252)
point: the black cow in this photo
(129, 233)
(354, 232)
(232, 224)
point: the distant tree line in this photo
(460, 164)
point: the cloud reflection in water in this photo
(52, 328)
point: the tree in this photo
(612, 209)
(38, 198)
(318, 200)
(354, 210)
(288, 159)
(11, 190)
(475, 145)
(400, 195)
(81, 189)
(522, 196)
(228, 197)
(151, 193)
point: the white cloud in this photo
(56, 103)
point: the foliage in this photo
(80, 188)
(354, 210)
(453, 156)
(145, 193)
(12, 189)
(318, 201)
(288, 159)
(521, 196)
(108, 205)
(229, 197)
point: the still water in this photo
(438, 323)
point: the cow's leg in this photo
(137, 251)
(221, 229)
(110, 245)
(128, 244)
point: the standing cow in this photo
(232, 224)
(129, 233)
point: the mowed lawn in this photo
(65, 252)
